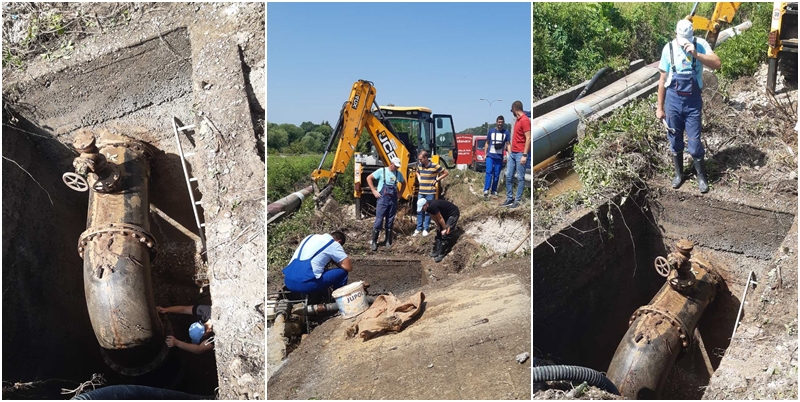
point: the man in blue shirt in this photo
(679, 102)
(496, 140)
(390, 183)
(307, 270)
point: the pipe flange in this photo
(681, 285)
(119, 229)
(686, 340)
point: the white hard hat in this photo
(685, 30)
(396, 161)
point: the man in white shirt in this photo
(307, 271)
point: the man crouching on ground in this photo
(446, 215)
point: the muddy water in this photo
(559, 181)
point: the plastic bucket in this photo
(351, 299)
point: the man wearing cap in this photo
(518, 149)
(390, 183)
(308, 271)
(428, 174)
(680, 104)
(200, 332)
(446, 215)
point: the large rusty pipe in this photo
(554, 131)
(659, 332)
(117, 248)
(290, 203)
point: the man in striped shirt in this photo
(428, 174)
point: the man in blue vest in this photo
(496, 140)
(679, 102)
(307, 271)
(390, 183)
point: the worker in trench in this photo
(390, 183)
(680, 103)
(201, 333)
(446, 215)
(319, 265)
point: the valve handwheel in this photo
(662, 266)
(75, 181)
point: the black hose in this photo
(591, 83)
(574, 373)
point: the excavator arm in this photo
(353, 119)
(723, 12)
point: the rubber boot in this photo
(373, 245)
(437, 248)
(677, 161)
(389, 235)
(443, 249)
(702, 181)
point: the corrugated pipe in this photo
(573, 373)
(591, 83)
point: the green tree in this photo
(277, 138)
(307, 126)
(294, 133)
(325, 130)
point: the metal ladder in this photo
(189, 179)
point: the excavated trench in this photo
(47, 335)
(593, 274)
(398, 276)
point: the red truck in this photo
(478, 163)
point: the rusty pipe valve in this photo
(661, 331)
(117, 248)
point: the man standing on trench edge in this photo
(428, 174)
(446, 215)
(496, 140)
(390, 183)
(517, 155)
(680, 103)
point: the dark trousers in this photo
(385, 208)
(685, 113)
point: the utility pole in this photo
(490, 111)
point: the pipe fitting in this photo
(117, 249)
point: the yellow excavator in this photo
(395, 132)
(782, 43)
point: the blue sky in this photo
(445, 56)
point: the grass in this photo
(49, 30)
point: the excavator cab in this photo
(419, 129)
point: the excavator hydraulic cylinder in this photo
(117, 248)
(662, 331)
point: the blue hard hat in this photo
(196, 332)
